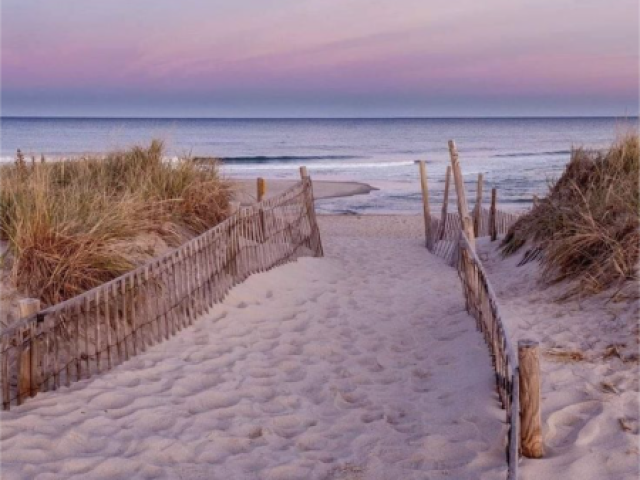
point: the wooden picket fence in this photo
(452, 237)
(449, 241)
(109, 324)
(445, 237)
(482, 303)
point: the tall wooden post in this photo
(28, 307)
(493, 227)
(28, 381)
(530, 414)
(445, 204)
(463, 209)
(425, 204)
(262, 189)
(303, 172)
(477, 212)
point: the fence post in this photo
(303, 172)
(477, 217)
(493, 227)
(425, 204)
(445, 204)
(6, 389)
(530, 415)
(463, 209)
(28, 372)
(262, 189)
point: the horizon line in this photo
(465, 117)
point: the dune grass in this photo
(72, 225)
(586, 228)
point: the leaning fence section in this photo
(452, 237)
(107, 325)
(445, 231)
(482, 304)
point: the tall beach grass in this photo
(586, 228)
(72, 225)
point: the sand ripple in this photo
(345, 367)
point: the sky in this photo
(319, 58)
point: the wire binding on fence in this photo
(107, 325)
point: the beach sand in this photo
(589, 370)
(246, 190)
(359, 365)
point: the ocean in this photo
(518, 156)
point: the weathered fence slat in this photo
(452, 237)
(100, 329)
(98, 324)
(85, 315)
(476, 288)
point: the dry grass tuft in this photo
(349, 471)
(72, 225)
(565, 356)
(587, 228)
(608, 387)
(629, 425)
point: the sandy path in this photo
(362, 365)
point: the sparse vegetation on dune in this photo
(72, 225)
(587, 227)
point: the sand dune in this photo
(589, 367)
(361, 365)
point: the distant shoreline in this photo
(322, 189)
(468, 117)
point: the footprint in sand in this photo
(79, 443)
(371, 364)
(211, 400)
(156, 422)
(293, 376)
(420, 380)
(349, 399)
(195, 382)
(310, 441)
(288, 472)
(445, 360)
(372, 416)
(261, 372)
(450, 336)
(112, 400)
(439, 454)
(269, 334)
(444, 398)
(287, 349)
(400, 420)
(366, 330)
(289, 426)
(571, 425)
(300, 326)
